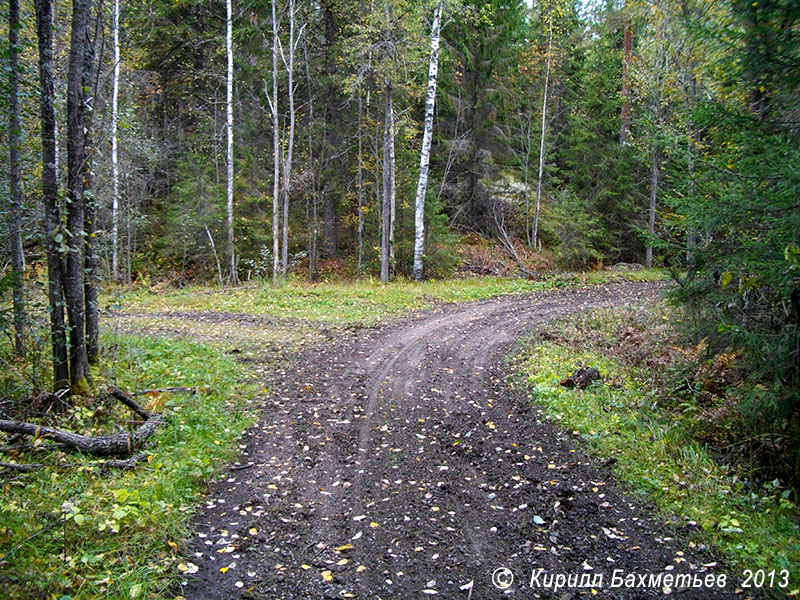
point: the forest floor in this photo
(394, 461)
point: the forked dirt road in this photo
(394, 463)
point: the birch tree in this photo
(542, 140)
(425, 151)
(288, 62)
(276, 165)
(114, 162)
(229, 131)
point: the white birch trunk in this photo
(114, 163)
(229, 127)
(541, 143)
(360, 187)
(275, 149)
(387, 229)
(287, 164)
(425, 151)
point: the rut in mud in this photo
(394, 463)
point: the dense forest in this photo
(251, 147)
(196, 141)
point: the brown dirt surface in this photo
(394, 462)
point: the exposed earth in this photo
(395, 462)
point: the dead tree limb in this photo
(171, 390)
(505, 240)
(117, 444)
(24, 468)
(130, 403)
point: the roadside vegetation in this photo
(674, 419)
(73, 528)
(367, 302)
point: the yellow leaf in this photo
(305, 567)
(361, 569)
(327, 576)
(223, 569)
(344, 547)
(343, 562)
(172, 545)
(252, 531)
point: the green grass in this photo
(70, 532)
(112, 533)
(655, 454)
(364, 303)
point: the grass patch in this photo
(113, 536)
(625, 418)
(365, 303)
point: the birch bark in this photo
(114, 162)
(425, 151)
(229, 128)
(541, 142)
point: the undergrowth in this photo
(367, 302)
(70, 531)
(637, 417)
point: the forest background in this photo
(230, 142)
(151, 145)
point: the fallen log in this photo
(116, 444)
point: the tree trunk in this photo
(78, 82)
(114, 163)
(54, 235)
(15, 187)
(541, 143)
(625, 114)
(387, 233)
(360, 187)
(287, 165)
(275, 150)
(229, 130)
(115, 444)
(425, 151)
(651, 220)
(91, 266)
(313, 225)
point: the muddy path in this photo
(393, 462)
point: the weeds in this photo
(654, 435)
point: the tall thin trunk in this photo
(78, 82)
(91, 267)
(287, 165)
(220, 279)
(114, 163)
(651, 220)
(15, 187)
(276, 159)
(387, 232)
(360, 178)
(55, 236)
(526, 160)
(313, 225)
(541, 142)
(627, 57)
(229, 129)
(425, 151)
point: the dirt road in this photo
(394, 463)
